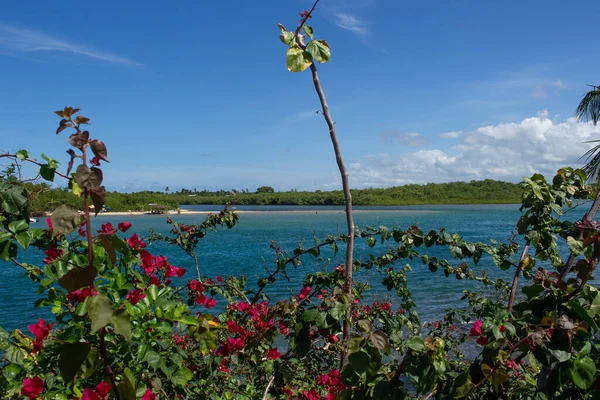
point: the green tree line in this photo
(475, 192)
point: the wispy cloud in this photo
(410, 139)
(21, 40)
(351, 23)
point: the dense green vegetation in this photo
(475, 192)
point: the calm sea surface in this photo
(244, 250)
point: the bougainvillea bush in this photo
(127, 324)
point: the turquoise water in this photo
(244, 250)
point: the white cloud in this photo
(22, 40)
(506, 151)
(351, 23)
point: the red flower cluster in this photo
(196, 289)
(52, 254)
(273, 354)
(136, 243)
(107, 229)
(100, 393)
(476, 331)
(304, 293)
(332, 382)
(32, 387)
(95, 161)
(124, 226)
(135, 295)
(80, 295)
(232, 346)
(151, 264)
(41, 330)
(311, 394)
(149, 395)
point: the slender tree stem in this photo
(347, 195)
(515, 281)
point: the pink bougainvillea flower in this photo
(95, 161)
(154, 281)
(195, 286)
(52, 254)
(273, 354)
(81, 231)
(511, 364)
(311, 395)
(41, 330)
(103, 389)
(332, 338)
(210, 303)
(107, 229)
(201, 299)
(89, 394)
(304, 293)
(476, 329)
(32, 387)
(482, 341)
(180, 272)
(80, 295)
(149, 395)
(135, 242)
(49, 223)
(135, 296)
(124, 226)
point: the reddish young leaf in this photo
(78, 278)
(63, 124)
(82, 120)
(99, 149)
(98, 196)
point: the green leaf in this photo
(22, 154)
(461, 386)
(583, 314)
(287, 37)
(122, 324)
(320, 51)
(126, 389)
(371, 241)
(100, 311)
(416, 343)
(359, 361)
(560, 355)
(297, 59)
(338, 311)
(8, 249)
(47, 172)
(72, 356)
(11, 371)
(365, 326)
(583, 372)
(65, 219)
(152, 358)
(88, 367)
(308, 30)
(576, 246)
(14, 355)
(182, 376)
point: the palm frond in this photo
(589, 107)
(592, 162)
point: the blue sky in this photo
(197, 94)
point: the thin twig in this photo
(515, 282)
(268, 386)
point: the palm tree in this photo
(588, 110)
